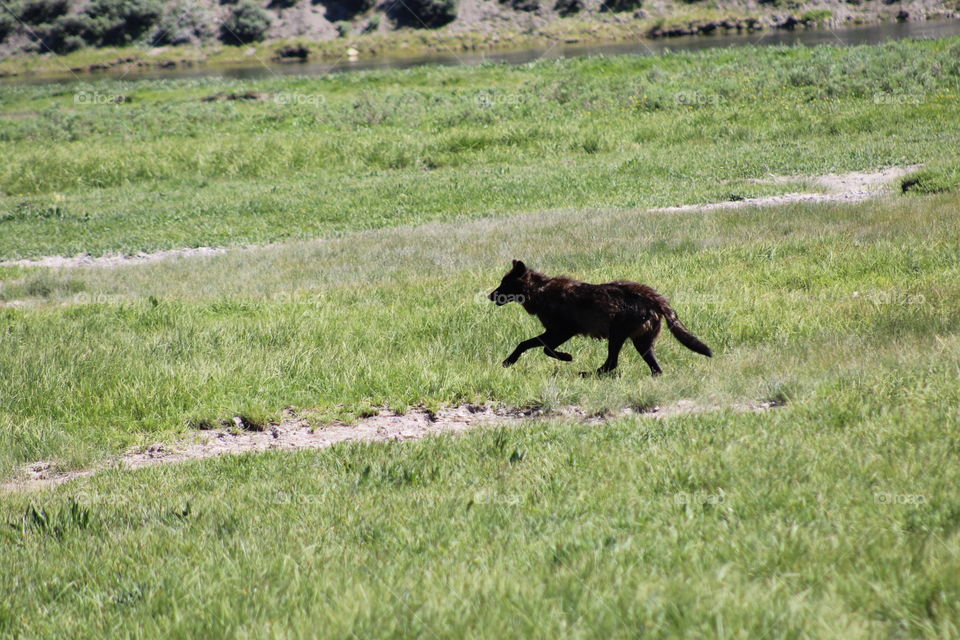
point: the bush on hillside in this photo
(41, 11)
(522, 5)
(101, 23)
(7, 26)
(62, 36)
(118, 22)
(617, 6)
(422, 14)
(184, 22)
(568, 7)
(337, 10)
(248, 22)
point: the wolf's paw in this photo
(508, 363)
(566, 357)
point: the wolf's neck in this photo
(532, 288)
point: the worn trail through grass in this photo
(848, 187)
(293, 433)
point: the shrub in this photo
(42, 11)
(338, 10)
(7, 25)
(63, 36)
(420, 14)
(117, 22)
(372, 25)
(616, 6)
(247, 22)
(816, 15)
(522, 5)
(938, 179)
(568, 7)
(183, 23)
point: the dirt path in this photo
(112, 260)
(841, 187)
(846, 187)
(294, 433)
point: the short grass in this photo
(932, 179)
(834, 515)
(835, 519)
(319, 156)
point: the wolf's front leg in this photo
(546, 340)
(553, 341)
(521, 348)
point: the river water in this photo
(873, 34)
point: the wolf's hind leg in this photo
(644, 345)
(614, 345)
(644, 342)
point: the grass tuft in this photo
(940, 179)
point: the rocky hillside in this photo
(61, 26)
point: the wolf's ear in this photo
(519, 267)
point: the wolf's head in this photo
(511, 287)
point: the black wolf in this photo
(615, 311)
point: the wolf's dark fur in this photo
(616, 311)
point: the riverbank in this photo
(403, 47)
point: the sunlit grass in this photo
(834, 515)
(788, 297)
(318, 156)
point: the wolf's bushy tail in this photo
(683, 334)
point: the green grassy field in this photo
(834, 515)
(317, 156)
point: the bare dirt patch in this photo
(840, 187)
(294, 433)
(112, 260)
